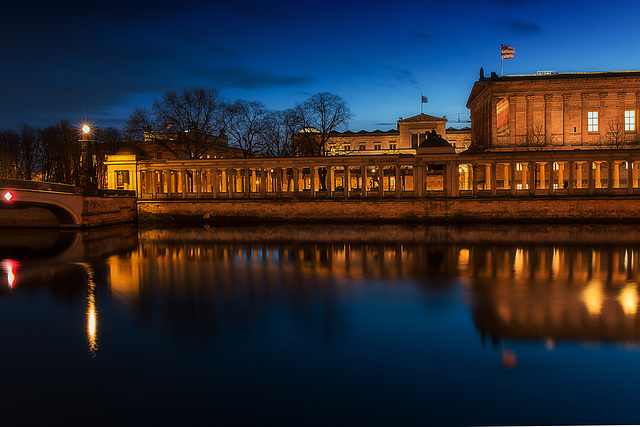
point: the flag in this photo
(424, 99)
(507, 51)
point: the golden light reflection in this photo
(518, 262)
(463, 259)
(92, 315)
(593, 297)
(628, 298)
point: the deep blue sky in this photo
(99, 60)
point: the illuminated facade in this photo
(555, 111)
(408, 135)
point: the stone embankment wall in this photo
(101, 211)
(610, 209)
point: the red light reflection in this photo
(10, 266)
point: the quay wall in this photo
(515, 209)
(101, 211)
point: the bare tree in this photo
(249, 122)
(536, 139)
(61, 153)
(279, 132)
(185, 123)
(615, 135)
(318, 116)
(9, 146)
(29, 151)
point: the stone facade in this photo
(559, 111)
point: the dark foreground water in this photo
(361, 325)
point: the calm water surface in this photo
(367, 325)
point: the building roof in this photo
(422, 118)
(435, 141)
(551, 75)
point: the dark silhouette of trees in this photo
(318, 116)
(536, 139)
(61, 153)
(247, 126)
(29, 152)
(279, 132)
(185, 123)
(9, 147)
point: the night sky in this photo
(96, 61)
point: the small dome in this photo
(435, 141)
(130, 150)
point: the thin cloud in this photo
(519, 26)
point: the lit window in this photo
(556, 166)
(377, 146)
(555, 186)
(392, 146)
(518, 186)
(630, 120)
(362, 147)
(518, 166)
(592, 121)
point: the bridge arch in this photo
(67, 208)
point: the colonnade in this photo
(561, 172)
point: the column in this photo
(214, 183)
(635, 174)
(198, 182)
(138, 184)
(418, 181)
(263, 183)
(561, 174)
(566, 97)
(512, 173)
(347, 181)
(550, 164)
(579, 175)
(398, 182)
(616, 174)
(541, 177)
(332, 180)
(230, 184)
(492, 181)
(279, 181)
(630, 173)
(507, 182)
(363, 172)
(525, 175)
(474, 179)
(154, 182)
(380, 181)
(512, 120)
(598, 181)
(312, 181)
(590, 177)
(296, 184)
(571, 176)
(169, 183)
(548, 129)
(532, 178)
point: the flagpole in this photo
(420, 102)
(501, 65)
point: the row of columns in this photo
(532, 176)
(248, 182)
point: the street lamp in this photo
(88, 176)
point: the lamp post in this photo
(88, 180)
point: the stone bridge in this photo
(43, 204)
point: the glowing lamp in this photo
(8, 196)
(86, 129)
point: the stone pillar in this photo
(634, 174)
(541, 175)
(598, 181)
(579, 174)
(488, 180)
(230, 184)
(493, 183)
(571, 176)
(566, 97)
(263, 183)
(363, 172)
(583, 119)
(494, 121)
(525, 175)
(418, 180)
(332, 180)
(613, 178)
(512, 174)
(507, 183)
(551, 174)
(398, 182)
(138, 184)
(532, 178)
(279, 181)
(474, 179)
(214, 183)
(548, 127)
(512, 120)
(347, 181)
(630, 173)
(169, 183)
(312, 181)
(296, 183)
(154, 182)
(380, 181)
(561, 174)
(590, 177)
(198, 182)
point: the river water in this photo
(321, 325)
